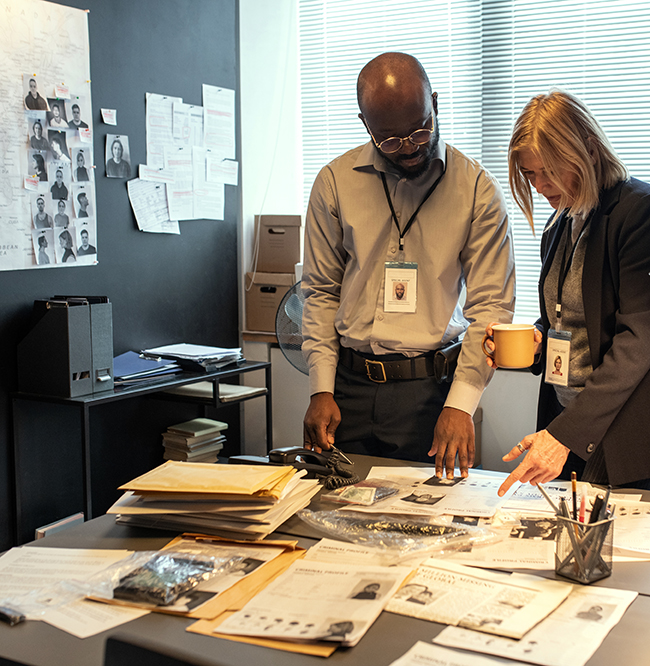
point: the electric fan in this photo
(288, 327)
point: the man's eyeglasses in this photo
(393, 144)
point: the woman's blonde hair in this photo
(564, 135)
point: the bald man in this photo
(403, 208)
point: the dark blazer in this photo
(614, 407)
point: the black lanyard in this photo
(566, 265)
(417, 210)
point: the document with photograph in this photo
(474, 496)
(529, 543)
(567, 637)
(318, 601)
(494, 603)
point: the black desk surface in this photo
(390, 637)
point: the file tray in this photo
(68, 351)
(583, 551)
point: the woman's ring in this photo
(520, 447)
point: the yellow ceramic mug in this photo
(514, 345)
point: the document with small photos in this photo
(318, 601)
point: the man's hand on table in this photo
(454, 435)
(321, 421)
(545, 458)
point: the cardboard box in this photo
(279, 239)
(264, 297)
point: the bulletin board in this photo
(47, 185)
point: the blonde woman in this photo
(594, 297)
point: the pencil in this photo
(547, 498)
(574, 494)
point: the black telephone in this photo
(314, 463)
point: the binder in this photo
(68, 351)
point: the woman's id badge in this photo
(400, 286)
(558, 352)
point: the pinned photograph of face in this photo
(75, 112)
(37, 165)
(37, 140)
(56, 115)
(42, 242)
(118, 163)
(82, 161)
(59, 146)
(33, 99)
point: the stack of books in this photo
(235, 501)
(198, 440)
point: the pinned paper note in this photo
(31, 183)
(61, 91)
(86, 135)
(109, 116)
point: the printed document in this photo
(494, 603)
(317, 601)
(567, 637)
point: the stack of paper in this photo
(195, 357)
(198, 440)
(236, 501)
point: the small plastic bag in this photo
(399, 539)
(366, 492)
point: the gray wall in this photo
(163, 288)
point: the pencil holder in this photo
(583, 551)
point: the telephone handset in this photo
(301, 458)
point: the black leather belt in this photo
(380, 371)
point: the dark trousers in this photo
(391, 420)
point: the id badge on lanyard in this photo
(400, 286)
(558, 352)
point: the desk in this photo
(40, 644)
(84, 404)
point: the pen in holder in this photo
(583, 551)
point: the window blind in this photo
(486, 59)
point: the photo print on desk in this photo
(118, 156)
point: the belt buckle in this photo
(369, 372)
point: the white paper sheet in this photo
(425, 654)
(86, 618)
(159, 126)
(180, 193)
(567, 637)
(149, 202)
(28, 568)
(219, 120)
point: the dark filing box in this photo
(68, 351)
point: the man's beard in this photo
(423, 166)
